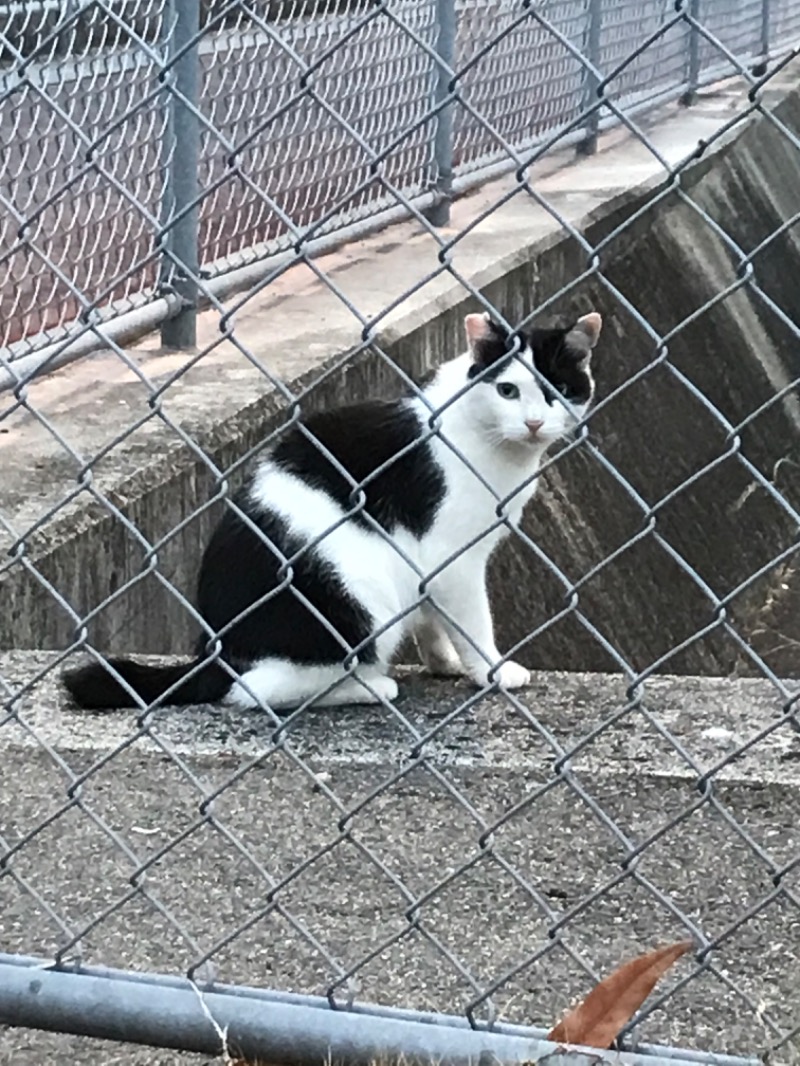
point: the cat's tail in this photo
(94, 688)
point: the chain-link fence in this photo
(100, 150)
(283, 187)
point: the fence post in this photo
(693, 72)
(588, 145)
(446, 24)
(181, 155)
(761, 68)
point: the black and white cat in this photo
(370, 522)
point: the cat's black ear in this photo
(584, 335)
(487, 341)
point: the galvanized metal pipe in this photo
(79, 341)
(128, 326)
(588, 144)
(372, 1010)
(170, 1012)
(447, 28)
(692, 55)
(180, 209)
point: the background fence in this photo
(105, 172)
(486, 855)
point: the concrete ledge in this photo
(710, 718)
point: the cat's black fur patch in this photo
(362, 438)
(489, 352)
(559, 364)
(239, 567)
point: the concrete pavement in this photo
(354, 828)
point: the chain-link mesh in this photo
(483, 852)
(518, 78)
(659, 67)
(297, 147)
(87, 147)
(81, 171)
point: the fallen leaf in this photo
(598, 1019)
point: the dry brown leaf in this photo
(598, 1019)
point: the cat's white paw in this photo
(384, 687)
(512, 675)
(507, 675)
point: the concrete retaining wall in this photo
(739, 354)
(667, 263)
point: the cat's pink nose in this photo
(534, 425)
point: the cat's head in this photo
(509, 402)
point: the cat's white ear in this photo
(478, 329)
(487, 340)
(586, 331)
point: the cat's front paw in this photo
(512, 675)
(508, 675)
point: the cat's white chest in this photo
(486, 494)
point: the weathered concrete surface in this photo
(424, 824)
(671, 264)
(666, 263)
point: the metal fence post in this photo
(760, 69)
(182, 152)
(693, 59)
(588, 145)
(446, 24)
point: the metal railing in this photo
(133, 145)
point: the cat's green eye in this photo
(508, 390)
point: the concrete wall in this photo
(667, 262)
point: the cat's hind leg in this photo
(435, 648)
(376, 688)
(283, 685)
